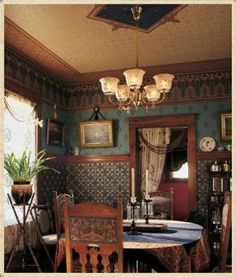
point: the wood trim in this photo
(162, 121)
(180, 68)
(91, 158)
(184, 120)
(214, 155)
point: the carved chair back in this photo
(93, 237)
(58, 204)
(162, 202)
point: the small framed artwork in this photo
(55, 133)
(226, 126)
(96, 133)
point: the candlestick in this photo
(146, 181)
(134, 204)
(132, 183)
(147, 202)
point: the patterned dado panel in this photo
(48, 181)
(203, 186)
(90, 181)
(99, 181)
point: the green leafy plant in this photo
(22, 169)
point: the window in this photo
(181, 173)
(19, 133)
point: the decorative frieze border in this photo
(200, 86)
(26, 78)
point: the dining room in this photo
(117, 138)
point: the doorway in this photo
(172, 121)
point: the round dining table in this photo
(178, 247)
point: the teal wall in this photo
(207, 124)
(47, 113)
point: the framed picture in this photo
(97, 133)
(226, 126)
(55, 133)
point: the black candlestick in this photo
(146, 208)
(133, 230)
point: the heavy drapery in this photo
(154, 143)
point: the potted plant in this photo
(22, 170)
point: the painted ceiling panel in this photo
(151, 15)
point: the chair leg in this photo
(59, 255)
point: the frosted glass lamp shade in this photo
(109, 85)
(122, 93)
(163, 82)
(152, 93)
(134, 78)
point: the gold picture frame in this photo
(226, 126)
(96, 133)
(55, 133)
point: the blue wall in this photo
(207, 124)
(47, 113)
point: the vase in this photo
(21, 193)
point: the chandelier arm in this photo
(137, 58)
(112, 99)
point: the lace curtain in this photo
(19, 133)
(154, 143)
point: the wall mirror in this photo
(177, 129)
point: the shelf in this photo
(218, 180)
(214, 155)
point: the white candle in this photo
(132, 183)
(146, 181)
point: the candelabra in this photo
(134, 204)
(146, 200)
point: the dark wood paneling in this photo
(90, 158)
(214, 155)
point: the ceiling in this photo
(66, 41)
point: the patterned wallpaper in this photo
(47, 112)
(207, 124)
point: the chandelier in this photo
(133, 94)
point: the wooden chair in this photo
(93, 238)
(162, 202)
(58, 206)
(225, 232)
(42, 216)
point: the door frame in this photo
(182, 120)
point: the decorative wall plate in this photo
(207, 144)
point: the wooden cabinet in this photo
(219, 183)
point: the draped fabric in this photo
(19, 133)
(151, 159)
